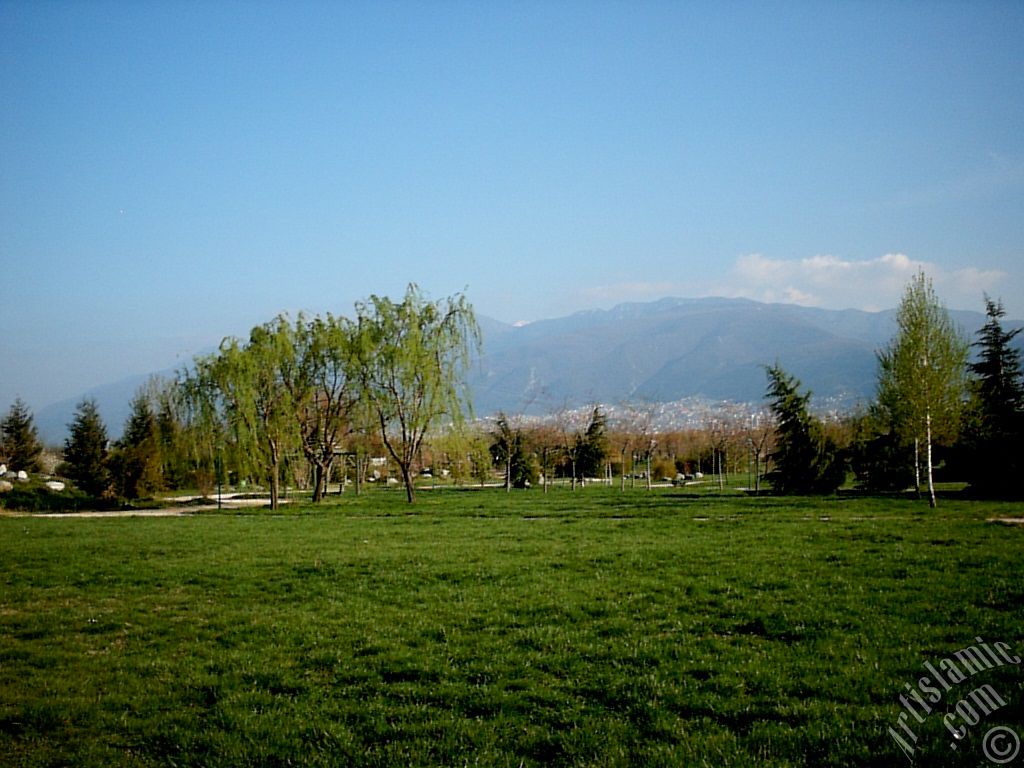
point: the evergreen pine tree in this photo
(508, 450)
(136, 462)
(995, 422)
(879, 459)
(806, 461)
(173, 456)
(20, 439)
(85, 451)
(593, 445)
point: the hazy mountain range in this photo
(659, 351)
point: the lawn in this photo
(479, 628)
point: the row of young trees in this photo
(167, 443)
(568, 447)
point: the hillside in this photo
(679, 348)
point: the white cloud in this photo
(871, 284)
(823, 280)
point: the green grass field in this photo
(479, 628)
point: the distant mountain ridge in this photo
(113, 401)
(674, 348)
(659, 351)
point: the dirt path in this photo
(228, 502)
(168, 512)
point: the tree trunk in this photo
(318, 473)
(928, 451)
(275, 480)
(330, 471)
(410, 490)
(917, 467)
(325, 466)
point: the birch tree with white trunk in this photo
(922, 378)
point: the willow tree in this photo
(242, 387)
(922, 375)
(411, 357)
(321, 380)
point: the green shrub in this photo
(39, 498)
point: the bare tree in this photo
(760, 429)
(724, 428)
(546, 441)
(644, 438)
(565, 428)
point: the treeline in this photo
(933, 408)
(305, 401)
(939, 413)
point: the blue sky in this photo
(174, 172)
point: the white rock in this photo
(23, 475)
(55, 485)
(3, 470)
(5, 486)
